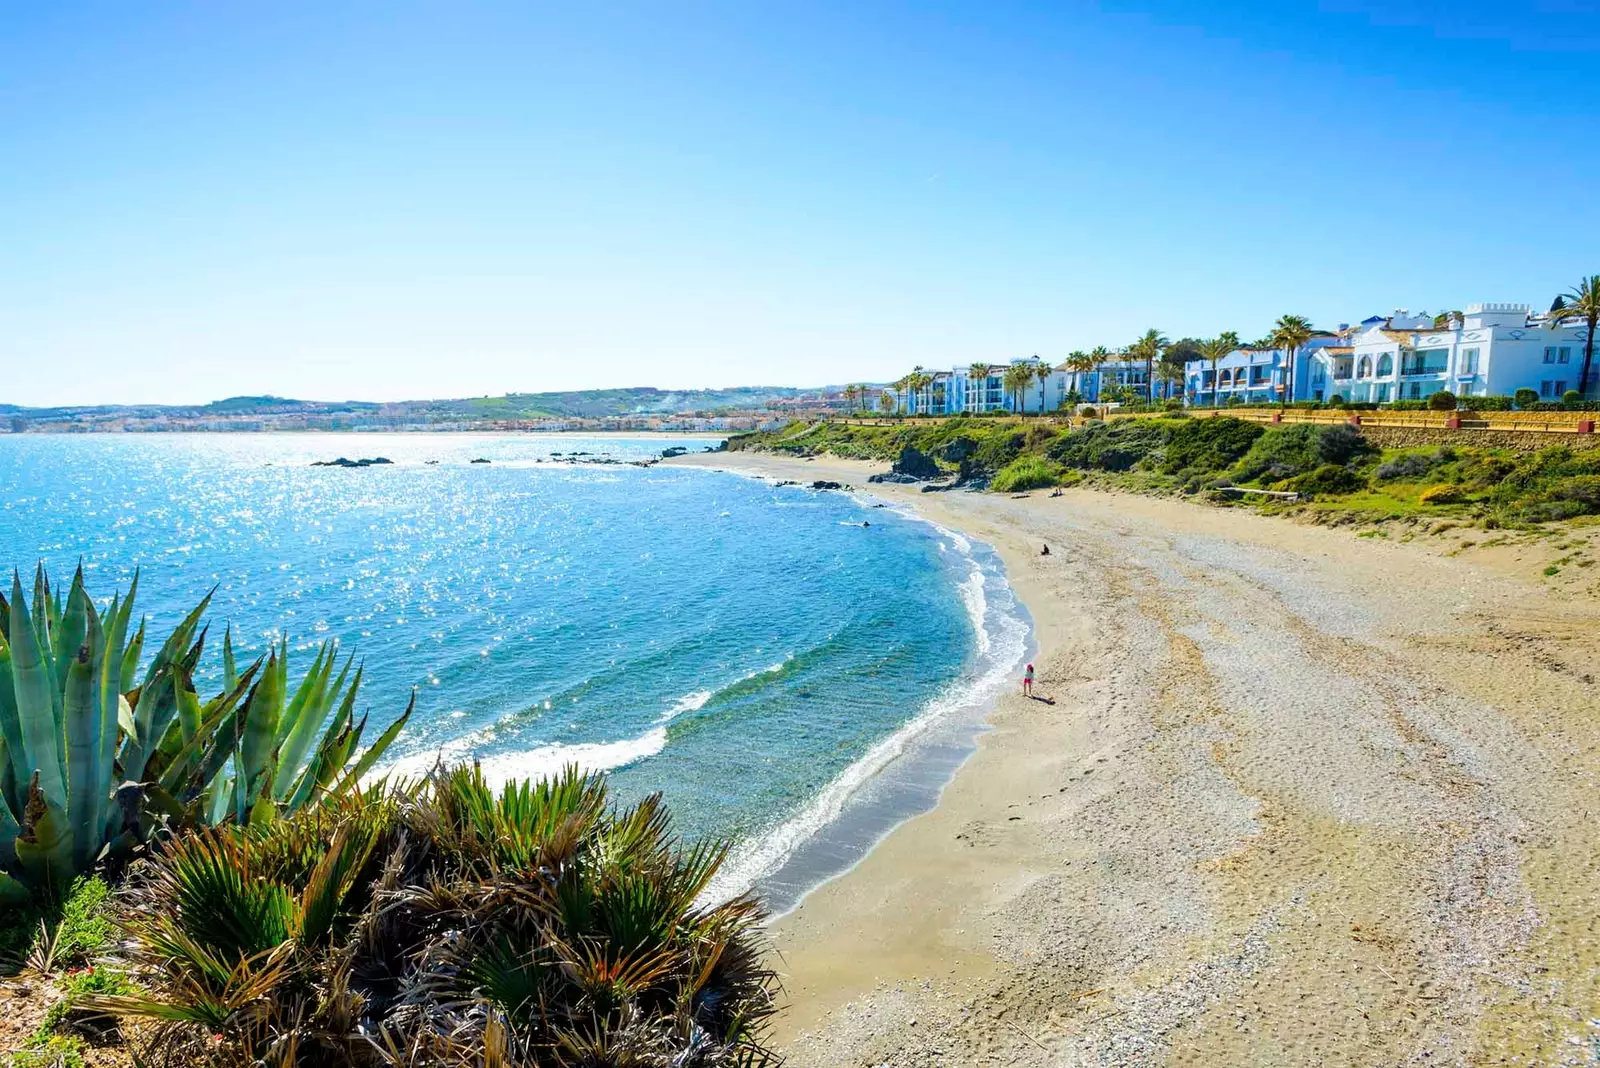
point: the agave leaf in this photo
(130, 656)
(230, 670)
(258, 728)
(375, 752)
(88, 783)
(67, 638)
(304, 693)
(188, 714)
(332, 752)
(292, 753)
(12, 892)
(11, 726)
(212, 741)
(36, 706)
(9, 829)
(5, 619)
(44, 842)
(158, 703)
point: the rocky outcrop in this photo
(345, 461)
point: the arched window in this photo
(1385, 365)
(1227, 377)
(1364, 370)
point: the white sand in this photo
(1304, 799)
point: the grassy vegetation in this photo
(53, 935)
(1333, 467)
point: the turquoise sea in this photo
(796, 669)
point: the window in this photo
(1383, 393)
(1385, 365)
(1553, 354)
(1413, 390)
(1365, 370)
(1552, 390)
(1469, 361)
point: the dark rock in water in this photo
(479, 460)
(431, 463)
(787, 482)
(345, 461)
(822, 484)
(917, 465)
(676, 450)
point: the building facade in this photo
(1487, 350)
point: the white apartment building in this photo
(1489, 350)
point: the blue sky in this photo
(393, 200)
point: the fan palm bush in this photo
(450, 924)
(92, 764)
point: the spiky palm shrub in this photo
(92, 764)
(451, 925)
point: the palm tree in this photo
(1100, 356)
(1149, 348)
(1214, 350)
(902, 393)
(1289, 333)
(1042, 372)
(1583, 304)
(1016, 379)
(1171, 371)
(1079, 362)
(978, 374)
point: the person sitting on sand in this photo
(1045, 551)
(1027, 682)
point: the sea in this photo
(795, 670)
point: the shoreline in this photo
(1297, 802)
(904, 774)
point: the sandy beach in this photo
(1303, 798)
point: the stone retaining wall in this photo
(1398, 437)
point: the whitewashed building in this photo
(1488, 350)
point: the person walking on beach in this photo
(1027, 682)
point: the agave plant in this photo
(91, 764)
(450, 924)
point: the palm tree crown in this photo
(1214, 350)
(1288, 334)
(1149, 349)
(1583, 304)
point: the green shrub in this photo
(1026, 473)
(1328, 479)
(1442, 401)
(1445, 493)
(1571, 398)
(1407, 406)
(1336, 401)
(1484, 404)
(1209, 445)
(1525, 397)
(538, 921)
(1114, 446)
(1288, 451)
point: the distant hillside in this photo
(594, 403)
(588, 403)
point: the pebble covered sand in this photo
(1303, 799)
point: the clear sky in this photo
(398, 200)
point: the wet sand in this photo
(1304, 798)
